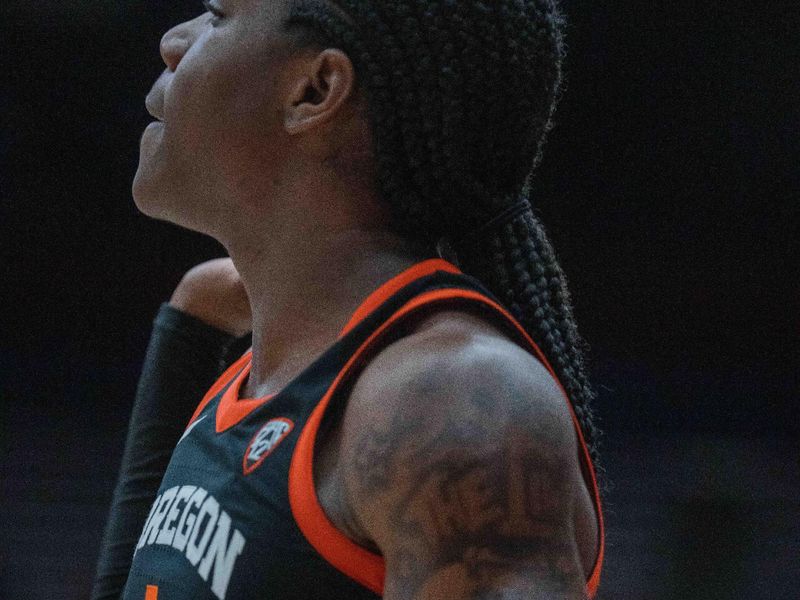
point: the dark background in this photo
(670, 187)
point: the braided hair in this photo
(460, 97)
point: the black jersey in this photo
(237, 516)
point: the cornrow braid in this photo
(460, 97)
(517, 262)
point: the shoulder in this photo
(458, 385)
(458, 443)
(453, 364)
(454, 396)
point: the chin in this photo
(162, 203)
(146, 197)
(153, 200)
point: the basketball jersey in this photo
(237, 516)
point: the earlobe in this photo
(320, 92)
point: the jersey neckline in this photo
(232, 409)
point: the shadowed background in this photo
(670, 187)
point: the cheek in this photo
(193, 103)
(212, 106)
(253, 100)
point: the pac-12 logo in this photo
(264, 442)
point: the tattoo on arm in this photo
(474, 490)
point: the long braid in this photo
(461, 95)
(518, 264)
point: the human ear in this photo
(322, 86)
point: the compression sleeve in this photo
(183, 359)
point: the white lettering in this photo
(195, 549)
(161, 512)
(167, 532)
(223, 554)
(191, 520)
(186, 522)
(142, 537)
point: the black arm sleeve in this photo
(184, 357)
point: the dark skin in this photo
(248, 148)
(457, 460)
(456, 457)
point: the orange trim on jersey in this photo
(223, 380)
(151, 592)
(394, 285)
(356, 562)
(232, 409)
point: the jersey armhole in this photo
(334, 546)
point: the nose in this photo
(173, 46)
(177, 41)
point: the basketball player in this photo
(412, 420)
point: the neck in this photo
(302, 295)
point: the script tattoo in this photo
(482, 494)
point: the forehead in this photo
(281, 8)
(255, 18)
(275, 7)
(263, 21)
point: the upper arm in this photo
(461, 466)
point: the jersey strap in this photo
(233, 409)
(345, 555)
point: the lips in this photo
(154, 107)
